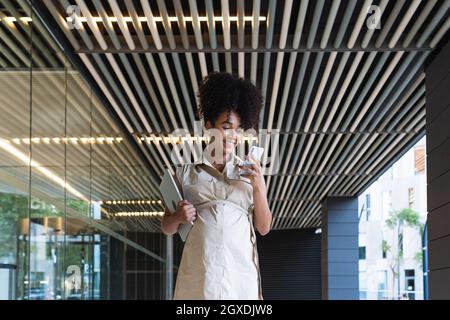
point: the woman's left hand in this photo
(255, 174)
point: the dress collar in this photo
(230, 168)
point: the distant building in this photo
(401, 186)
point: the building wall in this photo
(390, 192)
(438, 147)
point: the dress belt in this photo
(210, 203)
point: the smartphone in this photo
(256, 153)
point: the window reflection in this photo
(62, 156)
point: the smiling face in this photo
(228, 123)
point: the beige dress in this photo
(220, 259)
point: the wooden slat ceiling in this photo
(346, 98)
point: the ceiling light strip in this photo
(139, 214)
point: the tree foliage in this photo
(405, 216)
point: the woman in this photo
(220, 259)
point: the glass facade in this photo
(66, 174)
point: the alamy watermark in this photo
(73, 280)
(191, 147)
(73, 17)
(374, 20)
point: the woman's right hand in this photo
(186, 212)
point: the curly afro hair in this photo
(222, 92)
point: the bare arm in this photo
(185, 213)
(262, 213)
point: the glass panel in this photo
(80, 237)
(66, 171)
(15, 70)
(14, 230)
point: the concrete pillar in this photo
(340, 279)
(438, 173)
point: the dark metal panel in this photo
(343, 282)
(338, 229)
(116, 269)
(439, 222)
(344, 242)
(438, 253)
(438, 161)
(438, 68)
(438, 189)
(438, 192)
(342, 294)
(340, 203)
(343, 255)
(438, 130)
(290, 264)
(438, 285)
(438, 98)
(145, 275)
(341, 236)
